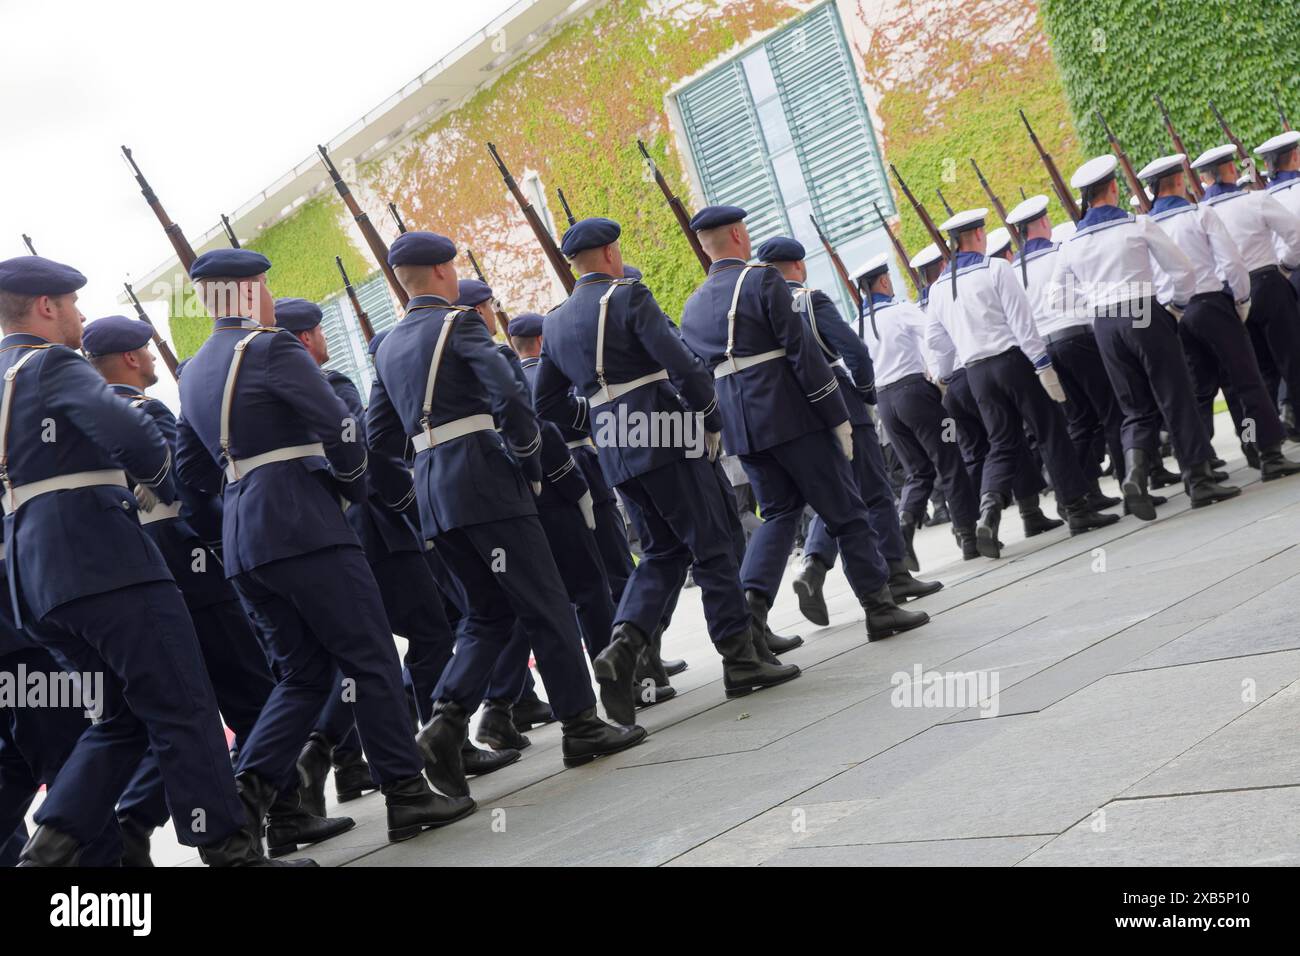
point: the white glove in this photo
(145, 498)
(713, 444)
(1051, 383)
(537, 488)
(588, 510)
(844, 435)
(1243, 310)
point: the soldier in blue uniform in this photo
(411, 597)
(264, 429)
(785, 419)
(848, 356)
(612, 345)
(441, 384)
(93, 588)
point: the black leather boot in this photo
(1273, 464)
(967, 542)
(907, 524)
(496, 728)
(313, 768)
(1032, 515)
(807, 584)
(758, 608)
(941, 516)
(745, 667)
(413, 807)
(651, 684)
(587, 737)
(1098, 501)
(241, 848)
(257, 796)
(135, 840)
(986, 529)
(1203, 489)
(615, 669)
(1251, 451)
(530, 711)
(289, 826)
(1082, 518)
(439, 741)
(885, 618)
(673, 665)
(1158, 476)
(351, 775)
(904, 587)
(1137, 501)
(480, 763)
(50, 847)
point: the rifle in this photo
(1256, 180)
(854, 292)
(903, 257)
(367, 330)
(164, 350)
(935, 235)
(564, 203)
(944, 202)
(553, 255)
(230, 233)
(1281, 114)
(1130, 176)
(679, 210)
(377, 247)
(997, 204)
(184, 251)
(397, 217)
(27, 241)
(1058, 184)
(1193, 181)
(502, 319)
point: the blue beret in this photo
(525, 325)
(631, 272)
(297, 315)
(421, 249)
(115, 333)
(32, 275)
(229, 264)
(373, 347)
(471, 292)
(781, 249)
(710, 217)
(589, 234)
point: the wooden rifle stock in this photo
(1193, 181)
(679, 210)
(935, 235)
(184, 251)
(363, 320)
(1130, 177)
(854, 292)
(1256, 179)
(544, 238)
(164, 350)
(1000, 209)
(503, 320)
(378, 248)
(1058, 184)
(901, 252)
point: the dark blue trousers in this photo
(873, 485)
(683, 520)
(317, 615)
(1219, 355)
(913, 413)
(809, 470)
(973, 438)
(1274, 327)
(1092, 414)
(611, 532)
(1147, 368)
(507, 573)
(157, 694)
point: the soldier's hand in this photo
(713, 444)
(1051, 383)
(1175, 311)
(588, 510)
(844, 434)
(537, 488)
(145, 498)
(1243, 310)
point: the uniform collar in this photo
(592, 277)
(530, 361)
(1220, 189)
(1166, 203)
(963, 259)
(427, 302)
(234, 322)
(22, 338)
(1033, 245)
(1283, 175)
(879, 298)
(1097, 214)
(720, 265)
(122, 389)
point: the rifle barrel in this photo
(564, 204)
(397, 217)
(678, 209)
(503, 320)
(899, 250)
(378, 248)
(363, 320)
(1246, 161)
(164, 350)
(1058, 184)
(854, 292)
(544, 238)
(1134, 184)
(184, 251)
(230, 232)
(935, 235)
(27, 241)
(996, 203)
(1193, 182)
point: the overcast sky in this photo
(79, 79)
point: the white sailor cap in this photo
(1095, 170)
(1063, 230)
(964, 220)
(1162, 166)
(1215, 156)
(1279, 143)
(875, 266)
(998, 240)
(926, 257)
(1027, 211)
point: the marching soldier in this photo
(439, 382)
(90, 586)
(1282, 157)
(264, 429)
(986, 321)
(848, 356)
(1217, 348)
(1106, 268)
(785, 419)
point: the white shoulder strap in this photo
(443, 334)
(6, 412)
(731, 313)
(228, 393)
(600, 329)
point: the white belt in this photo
(19, 495)
(161, 512)
(729, 366)
(453, 429)
(608, 393)
(242, 467)
(580, 443)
